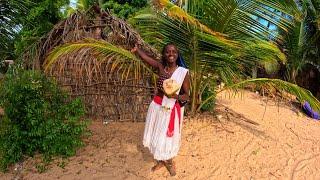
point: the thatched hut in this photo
(102, 87)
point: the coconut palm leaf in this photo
(116, 59)
(266, 52)
(302, 42)
(301, 94)
(205, 53)
(294, 46)
(267, 55)
(242, 18)
(163, 29)
(315, 4)
(11, 13)
(212, 52)
(190, 40)
(236, 18)
(177, 12)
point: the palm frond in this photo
(95, 53)
(289, 7)
(176, 12)
(228, 58)
(166, 29)
(243, 18)
(301, 94)
(219, 57)
(296, 44)
(266, 54)
(210, 53)
(12, 13)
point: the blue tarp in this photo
(310, 112)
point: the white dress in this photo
(157, 121)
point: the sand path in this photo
(248, 142)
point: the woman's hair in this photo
(180, 61)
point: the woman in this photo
(162, 132)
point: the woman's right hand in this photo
(144, 57)
(135, 48)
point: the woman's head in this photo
(169, 54)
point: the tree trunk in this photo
(194, 77)
(293, 75)
(254, 72)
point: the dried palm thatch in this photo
(116, 86)
(96, 24)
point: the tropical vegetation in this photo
(121, 8)
(301, 43)
(221, 41)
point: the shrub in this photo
(37, 119)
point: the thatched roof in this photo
(96, 24)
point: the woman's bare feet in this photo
(158, 165)
(170, 167)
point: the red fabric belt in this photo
(158, 100)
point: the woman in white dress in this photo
(162, 134)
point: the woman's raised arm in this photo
(147, 59)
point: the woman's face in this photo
(171, 54)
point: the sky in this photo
(73, 3)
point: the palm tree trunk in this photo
(293, 75)
(194, 77)
(254, 71)
(193, 89)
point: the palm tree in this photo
(302, 41)
(219, 40)
(227, 44)
(11, 13)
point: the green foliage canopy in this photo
(42, 16)
(124, 8)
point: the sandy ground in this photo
(249, 141)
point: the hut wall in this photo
(105, 94)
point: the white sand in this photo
(246, 143)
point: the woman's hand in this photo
(144, 57)
(135, 48)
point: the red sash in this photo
(158, 100)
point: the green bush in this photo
(38, 119)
